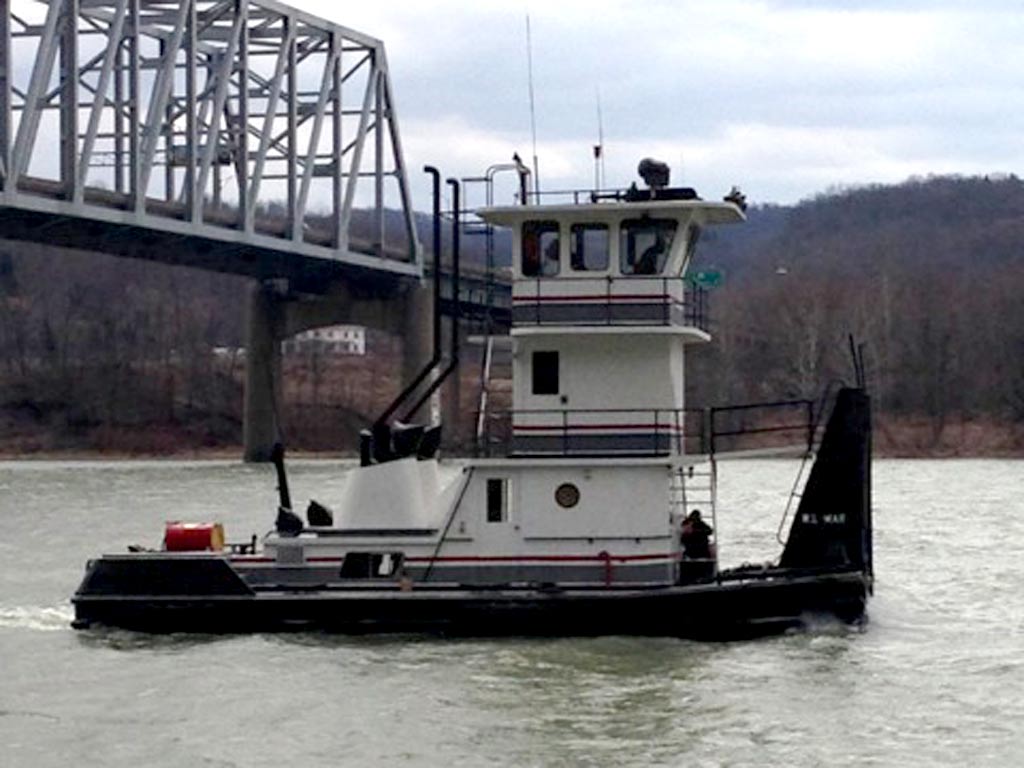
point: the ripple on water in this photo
(36, 617)
(935, 678)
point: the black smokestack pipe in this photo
(277, 456)
(288, 523)
(436, 186)
(456, 248)
(453, 362)
(436, 357)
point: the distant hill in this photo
(928, 275)
(945, 221)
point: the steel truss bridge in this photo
(241, 136)
(238, 136)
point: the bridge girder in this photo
(242, 122)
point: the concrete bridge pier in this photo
(275, 315)
(417, 316)
(260, 422)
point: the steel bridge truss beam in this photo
(239, 120)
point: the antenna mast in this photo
(533, 112)
(599, 147)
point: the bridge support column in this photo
(273, 317)
(260, 427)
(417, 318)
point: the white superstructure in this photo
(587, 489)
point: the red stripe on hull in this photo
(540, 558)
(489, 558)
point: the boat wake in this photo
(36, 617)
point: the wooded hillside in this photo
(928, 274)
(102, 353)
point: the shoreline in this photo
(894, 438)
(231, 455)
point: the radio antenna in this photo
(533, 111)
(599, 147)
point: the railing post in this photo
(664, 301)
(708, 432)
(536, 302)
(565, 432)
(608, 300)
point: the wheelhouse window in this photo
(544, 373)
(540, 249)
(498, 489)
(589, 247)
(644, 245)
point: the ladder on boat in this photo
(695, 487)
(817, 432)
(473, 226)
(495, 385)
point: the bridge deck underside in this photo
(109, 226)
(107, 230)
(308, 274)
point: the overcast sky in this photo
(782, 97)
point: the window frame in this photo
(545, 374)
(371, 564)
(499, 490)
(625, 227)
(577, 237)
(534, 230)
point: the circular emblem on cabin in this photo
(567, 495)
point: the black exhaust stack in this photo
(385, 441)
(453, 362)
(288, 523)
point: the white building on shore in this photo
(332, 340)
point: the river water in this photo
(935, 679)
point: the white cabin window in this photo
(540, 249)
(589, 247)
(498, 489)
(644, 245)
(544, 373)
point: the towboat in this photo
(591, 505)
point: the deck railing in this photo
(648, 431)
(585, 432)
(753, 426)
(610, 300)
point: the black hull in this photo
(725, 610)
(825, 571)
